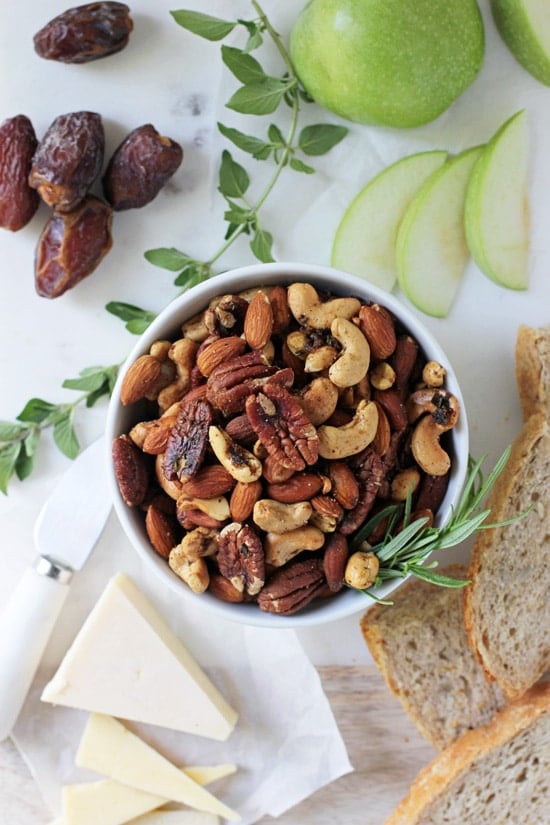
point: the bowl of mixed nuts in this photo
(273, 434)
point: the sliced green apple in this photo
(364, 243)
(524, 25)
(431, 248)
(497, 206)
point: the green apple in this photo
(431, 248)
(364, 243)
(397, 63)
(497, 207)
(524, 25)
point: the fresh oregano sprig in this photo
(19, 439)
(407, 543)
(259, 94)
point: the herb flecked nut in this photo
(388, 62)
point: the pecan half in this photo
(188, 440)
(230, 383)
(241, 557)
(293, 587)
(369, 472)
(283, 428)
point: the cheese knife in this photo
(66, 531)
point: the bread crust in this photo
(437, 777)
(533, 369)
(494, 551)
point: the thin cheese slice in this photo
(126, 662)
(109, 748)
(112, 803)
(176, 818)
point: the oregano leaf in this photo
(299, 166)
(36, 410)
(65, 436)
(8, 460)
(261, 244)
(137, 319)
(167, 258)
(319, 138)
(234, 180)
(254, 146)
(258, 98)
(9, 431)
(205, 25)
(245, 67)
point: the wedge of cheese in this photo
(176, 818)
(126, 662)
(109, 748)
(112, 803)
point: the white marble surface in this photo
(177, 81)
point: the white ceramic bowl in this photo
(167, 325)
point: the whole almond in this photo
(301, 487)
(161, 530)
(258, 321)
(345, 486)
(279, 308)
(218, 351)
(243, 498)
(378, 327)
(157, 434)
(335, 557)
(140, 379)
(221, 588)
(211, 481)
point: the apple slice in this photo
(364, 243)
(524, 25)
(431, 248)
(497, 207)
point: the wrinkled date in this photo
(85, 33)
(18, 201)
(140, 167)
(71, 246)
(294, 417)
(68, 159)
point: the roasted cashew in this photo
(351, 438)
(194, 572)
(405, 483)
(441, 411)
(239, 463)
(281, 547)
(318, 400)
(276, 517)
(182, 354)
(308, 309)
(217, 508)
(199, 543)
(320, 358)
(170, 487)
(352, 364)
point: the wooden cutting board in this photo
(383, 746)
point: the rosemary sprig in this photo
(407, 550)
(260, 94)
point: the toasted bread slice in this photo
(494, 774)
(420, 646)
(533, 369)
(507, 604)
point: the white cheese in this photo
(126, 662)
(109, 748)
(176, 818)
(112, 803)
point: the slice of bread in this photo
(533, 369)
(419, 644)
(499, 773)
(507, 604)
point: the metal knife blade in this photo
(66, 532)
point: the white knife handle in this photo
(26, 624)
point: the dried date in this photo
(140, 167)
(68, 159)
(18, 201)
(85, 33)
(71, 246)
